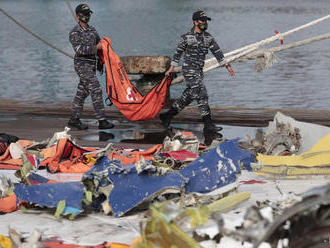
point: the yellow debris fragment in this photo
(5, 242)
(293, 171)
(318, 155)
(227, 203)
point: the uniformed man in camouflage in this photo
(195, 45)
(86, 42)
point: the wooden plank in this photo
(237, 116)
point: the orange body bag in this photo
(124, 95)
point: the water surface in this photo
(31, 70)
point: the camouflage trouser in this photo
(195, 91)
(88, 84)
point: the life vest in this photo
(124, 95)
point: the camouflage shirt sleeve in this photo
(215, 49)
(80, 46)
(182, 45)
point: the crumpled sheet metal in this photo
(6, 186)
(210, 171)
(181, 141)
(49, 195)
(318, 155)
(130, 187)
(236, 155)
(310, 133)
(283, 139)
(312, 209)
(213, 170)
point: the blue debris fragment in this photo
(231, 150)
(99, 172)
(217, 168)
(37, 179)
(130, 188)
(48, 195)
(211, 171)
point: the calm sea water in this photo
(301, 79)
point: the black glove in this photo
(99, 66)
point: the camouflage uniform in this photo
(195, 46)
(84, 41)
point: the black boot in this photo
(209, 126)
(210, 130)
(167, 117)
(104, 124)
(76, 123)
(209, 136)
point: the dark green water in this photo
(31, 70)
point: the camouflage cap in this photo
(200, 15)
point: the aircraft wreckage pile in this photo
(252, 192)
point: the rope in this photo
(71, 10)
(35, 35)
(280, 35)
(212, 63)
(284, 47)
(243, 51)
(267, 58)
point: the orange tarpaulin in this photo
(68, 158)
(7, 162)
(127, 157)
(124, 95)
(8, 204)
